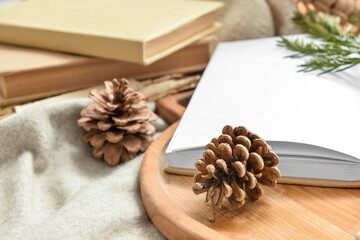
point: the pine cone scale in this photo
(255, 162)
(113, 107)
(88, 125)
(141, 116)
(225, 152)
(238, 193)
(87, 136)
(240, 152)
(271, 159)
(102, 110)
(110, 89)
(98, 140)
(114, 137)
(93, 114)
(112, 153)
(98, 152)
(254, 193)
(130, 128)
(99, 97)
(105, 125)
(131, 143)
(270, 173)
(147, 129)
(146, 139)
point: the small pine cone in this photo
(117, 122)
(232, 166)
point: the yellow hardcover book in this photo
(139, 31)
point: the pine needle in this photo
(335, 48)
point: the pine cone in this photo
(117, 122)
(342, 8)
(232, 166)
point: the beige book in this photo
(27, 74)
(139, 31)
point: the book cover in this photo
(310, 121)
(130, 30)
(33, 72)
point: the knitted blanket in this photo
(52, 188)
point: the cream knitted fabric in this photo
(52, 188)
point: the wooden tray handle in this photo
(172, 107)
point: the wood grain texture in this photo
(284, 212)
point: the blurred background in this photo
(48, 64)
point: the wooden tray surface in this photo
(283, 212)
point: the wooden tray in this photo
(283, 212)
(172, 107)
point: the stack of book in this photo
(55, 46)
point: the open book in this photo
(312, 122)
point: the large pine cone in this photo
(232, 166)
(342, 8)
(117, 122)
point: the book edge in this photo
(182, 44)
(283, 180)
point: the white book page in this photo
(250, 83)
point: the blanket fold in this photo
(52, 188)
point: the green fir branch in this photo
(329, 64)
(335, 49)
